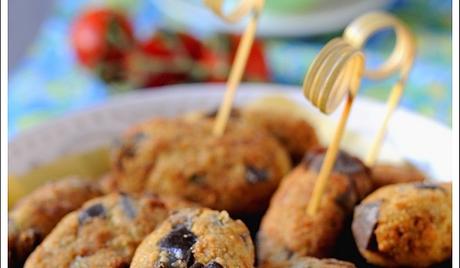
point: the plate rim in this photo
(134, 95)
(438, 170)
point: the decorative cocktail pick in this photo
(244, 8)
(335, 73)
(402, 58)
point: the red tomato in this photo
(157, 62)
(101, 36)
(193, 46)
(144, 71)
(256, 67)
(212, 67)
(157, 46)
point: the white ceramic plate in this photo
(424, 142)
(328, 16)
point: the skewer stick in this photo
(338, 70)
(329, 160)
(234, 79)
(402, 58)
(334, 74)
(241, 57)
(392, 104)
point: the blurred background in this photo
(65, 55)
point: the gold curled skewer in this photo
(401, 59)
(241, 10)
(335, 73)
(244, 8)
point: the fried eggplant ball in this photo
(408, 224)
(294, 133)
(104, 233)
(310, 262)
(288, 232)
(33, 218)
(237, 171)
(200, 238)
(386, 174)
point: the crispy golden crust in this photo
(294, 133)
(237, 172)
(310, 262)
(107, 183)
(197, 238)
(288, 232)
(35, 216)
(385, 174)
(104, 233)
(405, 225)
